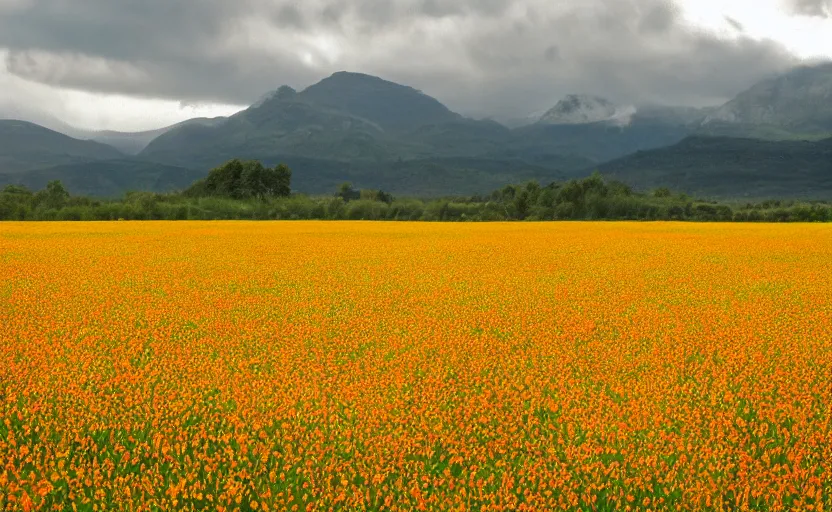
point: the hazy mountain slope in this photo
(462, 137)
(795, 104)
(25, 146)
(584, 109)
(597, 129)
(32, 114)
(129, 143)
(673, 115)
(108, 178)
(132, 143)
(597, 142)
(732, 167)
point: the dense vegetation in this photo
(249, 190)
(244, 180)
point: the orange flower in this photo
(350, 366)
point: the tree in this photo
(245, 180)
(522, 204)
(547, 197)
(280, 183)
(224, 180)
(533, 189)
(252, 181)
(55, 195)
(376, 195)
(17, 190)
(618, 188)
(347, 192)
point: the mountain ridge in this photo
(351, 125)
(792, 103)
(722, 167)
(26, 146)
(586, 109)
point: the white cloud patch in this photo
(63, 109)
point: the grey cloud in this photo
(817, 8)
(552, 53)
(289, 16)
(481, 57)
(658, 19)
(736, 25)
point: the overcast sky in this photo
(140, 64)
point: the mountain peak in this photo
(389, 105)
(355, 75)
(284, 92)
(351, 79)
(585, 109)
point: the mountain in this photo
(598, 141)
(32, 155)
(691, 117)
(376, 133)
(347, 117)
(25, 146)
(282, 93)
(389, 105)
(352, 117)
(278, 126)
(108, 178)
(794, 105)
(460, 137)
(132, 143)
(363, 129)
(10, 111)
(731, 167)
(583, 109)
(597, 129)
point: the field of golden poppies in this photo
(395, 366)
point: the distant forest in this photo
(247, 190)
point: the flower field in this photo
(395, 366)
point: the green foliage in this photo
(54, 196)
(238, 179)
(17, 190)
(347, 192)
(592, 198)
(376, 195)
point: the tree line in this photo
(249, 190)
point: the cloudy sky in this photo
(140, 64)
